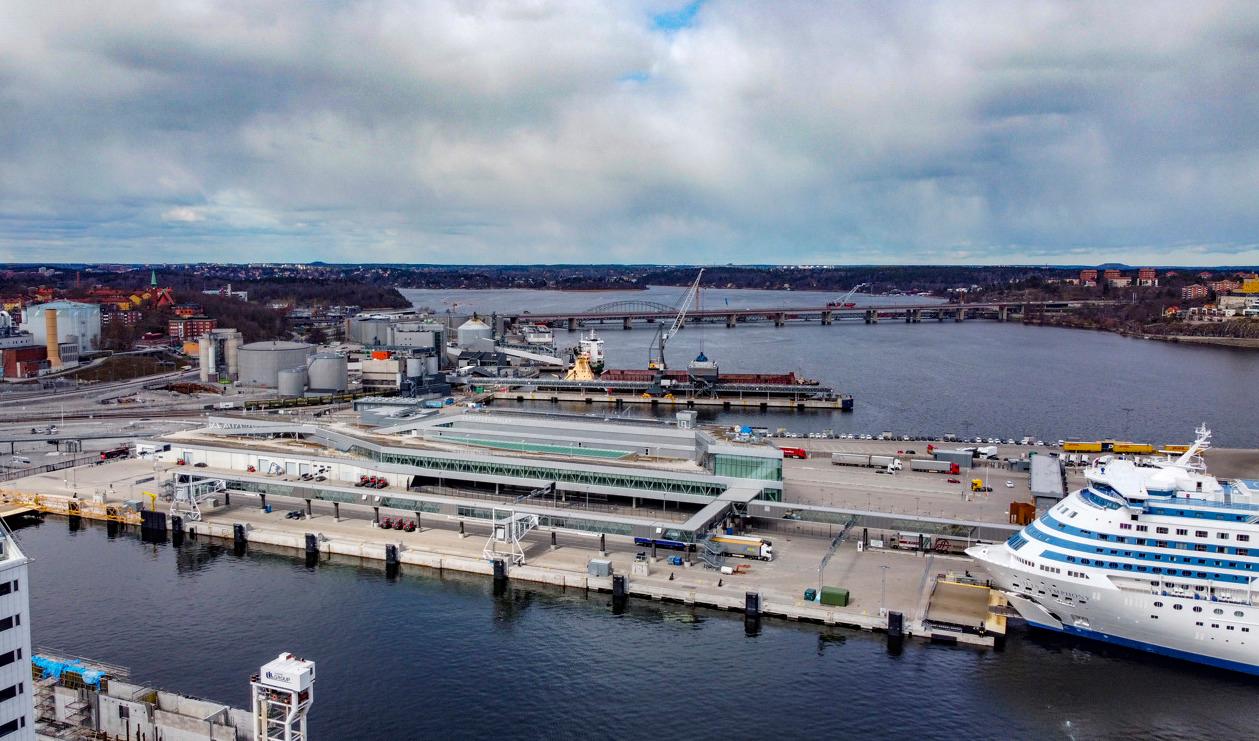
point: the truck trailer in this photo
(889, 462)
(745, 546)
(935, 466)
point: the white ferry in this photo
(1157, 556)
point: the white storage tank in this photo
(260, 363)
(329, 372)
(472, 330)
(415, 367)
(292, 381)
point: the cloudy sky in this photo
(548, 131)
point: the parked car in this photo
(199, 465)
(955, 481)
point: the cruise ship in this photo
(1153, 555)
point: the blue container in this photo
(729, 531)
(267, 509)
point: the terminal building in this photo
(642, 478)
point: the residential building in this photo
(1195, 291)
(1088, 277)
(1147, 277)
(192, 327)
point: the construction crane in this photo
(846, 302)
(655, 351)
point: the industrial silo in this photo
(291, 381)
(328, 372)
(260, 363)
(415, 367)
(472, 330)
(231, 352)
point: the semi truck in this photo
(745, 546)
(889, 462)
(800, 453)
(978, 485)
(935, 466)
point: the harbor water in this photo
(425, 656)
(972, 378)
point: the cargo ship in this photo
(1155, 555)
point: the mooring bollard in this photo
(554, 541)
(176, 524)
(312, 543)
(461, 532)
(895, 624)
(336, 511)
(618, 587)
(309, 509)
(238, 534)
(752, 604)
(500, 570)
(603, 545)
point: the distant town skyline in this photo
(630, 133)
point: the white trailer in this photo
(888, 462)
(932, 466)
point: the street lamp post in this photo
(883, 590)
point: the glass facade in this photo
(747, 467)
(545, 473)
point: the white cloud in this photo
(182, 214)
(500, 130)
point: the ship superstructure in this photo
(1155, 555)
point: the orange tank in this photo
(380, 354)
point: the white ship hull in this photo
(1218, 634)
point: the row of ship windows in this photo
(1179, 531)
(1199, 547)
(1198, 608)
(1213, 625)
(1151, 569)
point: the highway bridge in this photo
(628, 313)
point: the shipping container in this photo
(834, 596)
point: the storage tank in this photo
(431, 364)
(207, 357)
(291, 381)
(231, 353)
(328, 372)
(415, 367)
(260, 363)
(472, 330)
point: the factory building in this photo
(412, 332)
(260, 363)
(75, 323)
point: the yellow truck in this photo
(978, 485)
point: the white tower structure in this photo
(282, 693)
(17, 708)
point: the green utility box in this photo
(835, 596)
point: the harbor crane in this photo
(655, 351)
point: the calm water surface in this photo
(977, 377)
(430, 657)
